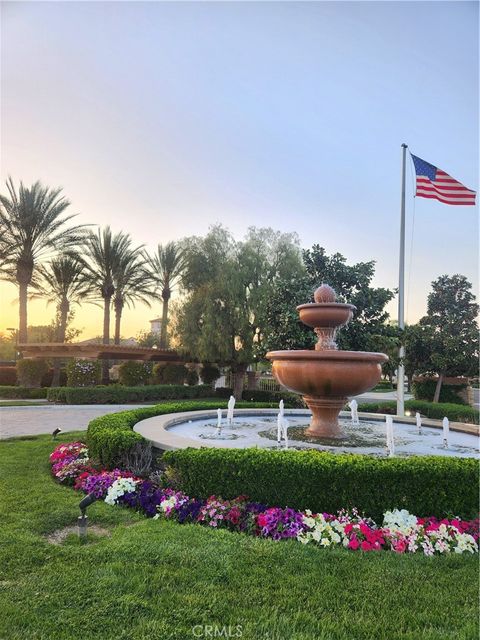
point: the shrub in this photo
(24, 393)
(110, 437)
(118, 394)
(169, 373)
(133, 373)
(83, 373)
(210, 373)
(30, 372)
(223, 392)
(384, 385)
(192, 377)
(424, 389)
(433, 410)
(258, 395)
(328, 482)
(48, 377)
(8, 376)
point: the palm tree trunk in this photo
(62, 330)
(106, 338)
(163, 329)
(118, 320)
(22, 299)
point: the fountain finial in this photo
(324, 293)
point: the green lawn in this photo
(154, 579)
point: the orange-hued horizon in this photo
(89, 317)
(156, 119)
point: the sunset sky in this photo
(161, 119)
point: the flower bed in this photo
(400, 531)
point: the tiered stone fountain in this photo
(326, 377)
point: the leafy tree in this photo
(418, 349)
(7, 346)
(106, 252)
(64, 282)
(284, 328)
(389, 342)
(167, 266)
(228, 285)
(352, 283)
(147, 339)
(450, 329)
(33, 227)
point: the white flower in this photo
(401, 521)
(316, 535)
(119, 488)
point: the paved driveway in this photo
(28, 421)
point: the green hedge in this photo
(83, 373)
(433, 410)
(424, 485)
(26, 393)
(110, 437)
(133, 373)
(118, 394)
(30, 372)
(425, 390)
(258, 395)
(169, 373)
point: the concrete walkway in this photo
(29, 421)
(35, 420)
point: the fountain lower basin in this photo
(257, 428)
(326, 379)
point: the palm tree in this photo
(64, 282)
(167, 266)
(106, 252)
(33, 227)
(132, 282)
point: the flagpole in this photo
(401, 293)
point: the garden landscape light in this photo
(83, 519)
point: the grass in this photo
(157, 579)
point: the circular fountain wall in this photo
(259, 429)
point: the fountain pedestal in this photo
(326, 377)
(324, 422)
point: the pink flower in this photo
(262, 520)
(400, 545)
(353, 543)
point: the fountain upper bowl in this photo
(325, 314)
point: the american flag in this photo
(435, 183)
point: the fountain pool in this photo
(259, 429)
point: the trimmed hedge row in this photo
(118, 394)
(433, 410)
(110, 437)
(258, 395)
(424, 485)
(27, 393)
